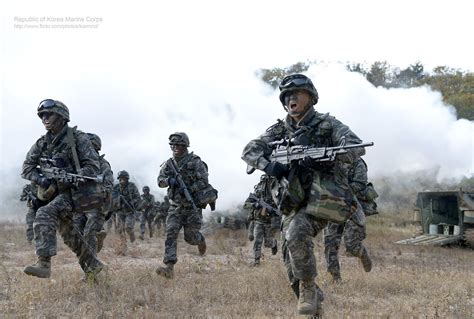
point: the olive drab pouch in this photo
(288, 193)
(88, 196)
(330, 200)
(205, 196)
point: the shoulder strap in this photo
(72, 143)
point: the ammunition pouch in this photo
(288, 193)
(205, 196)
(88, 196)
(330, 200)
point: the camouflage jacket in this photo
(319, 130)
(106, 171)
(194, 173)
(57, 148)
(263, 191)
(148, 202)
(127, 193)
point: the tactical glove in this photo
(43, 182)
(276, 169)
(172, 182)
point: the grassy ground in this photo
(406, 282)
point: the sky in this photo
(136, 72)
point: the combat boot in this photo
(132, 237)
(100, 239)
(151, 233)
(202, 247)
(366, 261)
(166, 271)
(308, 301)
(41, 269)
(141, 237)
(255, 263)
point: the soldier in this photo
(353, 229)
(261, 217)
(183, 212)
(162, 212)
(148, 212)
(304, 126)
(91, 224)
(72, 151)
(129, 201)
(28, 194)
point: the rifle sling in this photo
(72, 144)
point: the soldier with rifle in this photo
(129, 202)
(261, 211)
(185, 175)
(65, 167)
(162, 212)
(147, 213)
(309, 153)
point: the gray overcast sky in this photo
(137, 71)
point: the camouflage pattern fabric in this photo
(30, 219)
(57, 213)
(148, 213)
(28, 191)
(181, 217)
(125, 215)
(89, 224)
(298, 227)
(181, 214)
(263, 234)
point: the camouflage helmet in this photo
(179, 138)
(123, 174)
(95, 140)
(146, 189)
(297, 82)
(53, 106)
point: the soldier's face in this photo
(52, 122)
(178, 150)
(123, 181)
(297, 103)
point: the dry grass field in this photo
(406, 282)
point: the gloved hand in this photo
(251, 238)
(276, 169)
(310, 163)
(172, 182)
(43, 182)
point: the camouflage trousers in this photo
(160, 219)
(89, 224)
(58, 215)
(30, 219)
(298, 231)
(112, 221)
(125, 222)
(353, 233)
(263, 234)
(181, 217)
(147, 218)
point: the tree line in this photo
(456, 86)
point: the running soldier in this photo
(261, 211)
(354, 228)
(310, 191)
(184, 174)
(62, 151)
(148, 212)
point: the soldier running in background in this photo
(147, 212)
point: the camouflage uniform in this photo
(298, 227)
(162, 212)
(28, 194)
(262, 231)
(125, 214)
(353, 229)
(181, 213)
(148, 214)
(58, 212)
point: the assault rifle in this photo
(182, 185)
(286, 154)
(127, 203)
(262, 203)
(51, 171)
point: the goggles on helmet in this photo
(45, 104)
(294, 81)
